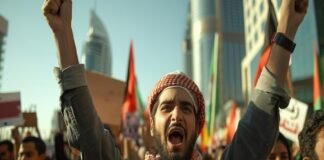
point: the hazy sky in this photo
(156, 27)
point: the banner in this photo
(292, 119)
(107, 95)
(10, 113)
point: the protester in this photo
(281, 149)
(6, 150)
(32, 148)
(311, 138)
(176, 105)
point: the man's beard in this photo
(161, 148)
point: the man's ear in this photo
(151, 126)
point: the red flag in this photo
(263, 61)
(316, 84)
(129, 105)
(233, 120)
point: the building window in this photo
(256, 37)
(263, 27)
(279, 3)
(261, 7)
(250, 45)
(249, 29)
(255, 19)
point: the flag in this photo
(233, 119)
(271, 29)
(213, 107)
(130, 117)
(204, 139)
(140, 105)
(10, 113)
(316, 84)
(129, 105)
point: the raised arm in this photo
(58, 14)
(292, 14)
(84, 128)
(258, 129)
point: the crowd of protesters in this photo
(176, 110)
(31, 147)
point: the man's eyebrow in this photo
(186, 103)
(167, 101)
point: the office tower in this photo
(3, 33)
(96, 53)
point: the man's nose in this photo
(176, 114)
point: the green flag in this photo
(213, 107)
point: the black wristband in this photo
(283, 41)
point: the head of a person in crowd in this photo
(32, 148)
(280, 150)
(177, 115)
(311, 139)
(6, 150)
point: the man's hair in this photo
(307, 138)
(7, 143)
(39, 144)
(285, 142)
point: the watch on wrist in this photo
(283, 41)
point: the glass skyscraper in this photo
(3, 33)
(224, 17)
(97, 51)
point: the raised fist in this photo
(58, 14)
(292, 14)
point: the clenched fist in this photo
(58, 14)
(293, 13)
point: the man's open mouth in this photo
(176, 136)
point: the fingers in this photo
(301, 6)
(51, 7)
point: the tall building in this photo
(255, 20)
(187, 47)
(97, 50)
(224, 17)
(3, 33)
(255, 15)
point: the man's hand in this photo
(58, 14)
(292, 14)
